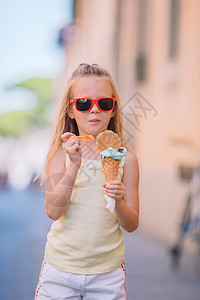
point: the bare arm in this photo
(60, 181)
(126, 194)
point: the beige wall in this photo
(95, 31)
(107, 33)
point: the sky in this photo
(29, 32)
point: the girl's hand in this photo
(72, 147)
(115, 189)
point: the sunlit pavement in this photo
(149, 272)
(23, 229)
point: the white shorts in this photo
(59, 285)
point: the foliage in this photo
(16, 123)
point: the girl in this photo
(84, 254)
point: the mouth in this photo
(94, 121)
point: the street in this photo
(23, 229)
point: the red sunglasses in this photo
(85, 104)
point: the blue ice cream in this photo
(115, 154)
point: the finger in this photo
(72, 141)
(116, 192)
(67, 147)
(66, 135)
(111, 185)
(71, 148)
(112, 195)
(115, 182)
(75, 147)
(114, 185)
(79, 150)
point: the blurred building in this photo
(152, 50)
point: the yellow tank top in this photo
(87, 239)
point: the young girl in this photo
(84, 254)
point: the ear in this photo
(70, 112)
(113, 113)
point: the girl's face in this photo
(94, 121)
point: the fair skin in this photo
(92, 122)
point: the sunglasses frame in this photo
(93, 101)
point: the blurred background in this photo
(152, 50)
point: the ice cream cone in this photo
(110, 165)
(107, 139)
(108, 143)
(111, 168)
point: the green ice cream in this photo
(111, 152)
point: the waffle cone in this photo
(107, 139)
(111, 168)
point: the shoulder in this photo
(57, 163)
(131, 158)
(131, 166)
(59, 155)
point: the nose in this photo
(94, 108)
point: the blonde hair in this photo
(65, 124)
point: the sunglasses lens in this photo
(106, 104)
(83, 104)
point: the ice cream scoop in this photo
(111, 152)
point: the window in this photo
(173, 28)
(141, 58)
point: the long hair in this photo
(65, 124)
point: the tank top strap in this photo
(91, 164)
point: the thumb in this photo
(79, 149)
